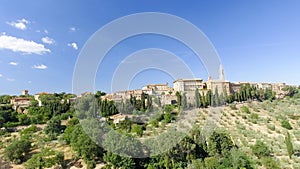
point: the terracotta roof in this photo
(41, 93)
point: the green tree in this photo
(203, 100)
(239, 159)
(81, 142)
(179, 98)
(18, 150)
(220, 143)
(118, 161)
(211, 163)
(289, 145)
(208, 98)
(46, 159)
(53, 127)
(5, 99)
(184, 101)
(197, 98)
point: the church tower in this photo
(221, 73)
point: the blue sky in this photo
(257, 41)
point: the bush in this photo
(270, 163)
(245, 109)
(254, 116)
(286, 124)
(168, 117)
(260, 149)
(271, 127)
(154, 123)
(30, 130)
(137, 129)
(45, 159)
(233, 106)
(17, 151)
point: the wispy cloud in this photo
(21, 45)
(1, 75)
(72, 29)
(10, 79)
(13, 63)
(19, 24)
(46, 31)
(48, 40)
(42, 66)
(73, 45)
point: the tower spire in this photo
(221, 73)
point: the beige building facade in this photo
(182, 85)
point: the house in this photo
(117, 118)
(157, 89)
(182, 85)
(36, 97)
(20, 102)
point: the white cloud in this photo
(10, 79)
(1, 75)
(19, 24)
(72, 29)
(13, 63)
(48, 40)
(73, 45)
(42, 66)
(21, 45)
(46, 31)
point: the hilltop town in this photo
(47, 126)
(167, 94)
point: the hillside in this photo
(242, 125)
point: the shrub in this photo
(254, 116)
(245, 109)
(271, 127)
(154, 123)
(17, 151)
(137, 129)
(168, 117)
(260, 149)
(45, 159)
(30, 130)
(286, 124)
(270, 163)
(244, 116)
(233, 106)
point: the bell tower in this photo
(221, 73)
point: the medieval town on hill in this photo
(168, 94)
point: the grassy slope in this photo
(246, 130)
(243, 129)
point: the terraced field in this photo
(253, 121)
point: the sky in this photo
(257, 41)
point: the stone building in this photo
(20, 102)
(157, 89)
(24, 92)
(182, 85)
